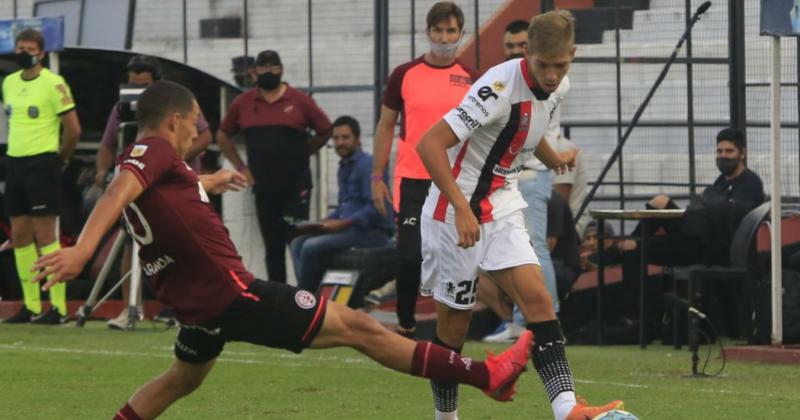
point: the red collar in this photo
(526, 74)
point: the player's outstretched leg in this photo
(548, 354)
(154, 397)
(495, 376)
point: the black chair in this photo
(743, 266)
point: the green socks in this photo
(25, 257)
(58, 293)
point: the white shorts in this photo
(450, 273)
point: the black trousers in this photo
(270, 211)
(409, 242)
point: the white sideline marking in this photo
(589, 381)
(347, 360)
(344, 360)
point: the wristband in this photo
(377, 177)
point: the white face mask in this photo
(446, 50)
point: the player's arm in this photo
(223, 180)
(560, 162)
(66, 263)
(432, 149)
(381, 148)
(228, 150)
(71, 134)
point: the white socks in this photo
(450, 415)
(563, 404)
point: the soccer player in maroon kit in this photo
(193, 266)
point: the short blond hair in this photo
(552, 32)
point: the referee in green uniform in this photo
(37, 103)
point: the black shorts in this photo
(412, 196)
(33, 185)
(274, 315)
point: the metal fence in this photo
(341, 51)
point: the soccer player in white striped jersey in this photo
(472, 216)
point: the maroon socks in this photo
(445, 365)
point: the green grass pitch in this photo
(71, 373)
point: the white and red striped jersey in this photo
(499, 125)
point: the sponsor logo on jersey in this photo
(478, 105)
(524, 122)
(305, 299)
(485, 92)
(66, 99)
(499, 170)
(410, 221)
(467, 119)
(155, 267)
(138, 150)
(135, 163)
(288, 109)
(460, 80)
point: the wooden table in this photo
(642, 215)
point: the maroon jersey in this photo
(186, 253)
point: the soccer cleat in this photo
(51, 317)
(378, 296)
(22, 317)
(505, 369)
(581, 411)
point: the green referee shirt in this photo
(34, 108)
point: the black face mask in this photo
(26, 61)
(269, 81)
(727, 165)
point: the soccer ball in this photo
(615, 415)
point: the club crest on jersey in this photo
(305, 299)
(138, 150)
(498, 86)
(524, 122)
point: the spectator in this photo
(142, 71)
(563, 243)
(354, 223)
(422, 91)
(588, 249)
(38, 102)
(573, 185)
(515, 39)
(275, 118)
(705, 234)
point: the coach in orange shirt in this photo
(422, 91)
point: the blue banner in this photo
(52, 28)
(780, 17)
